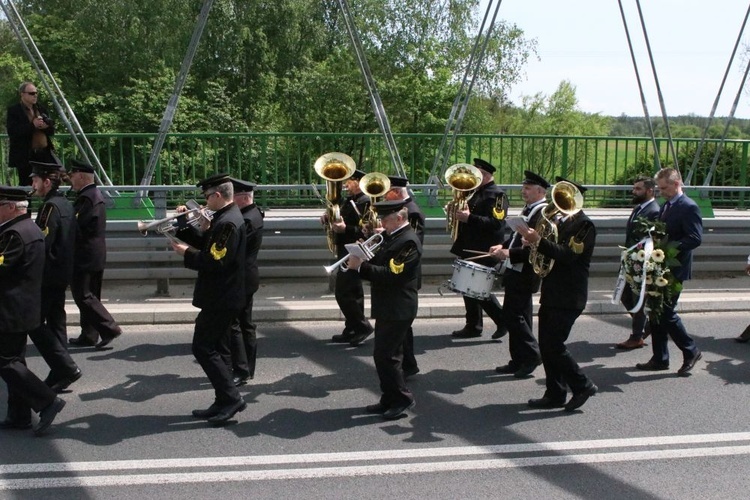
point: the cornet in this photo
(365, 250)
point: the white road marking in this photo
(552, 457)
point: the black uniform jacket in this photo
(352, 209)
(650, 212)
(685, 226)
(21, 268)
(253, 239)
(567, 284)
(91, 245)
(56, 218)
(486, 224)
(394, 275)
(219, 258)
(416, 218)
(20, 133)
(525, 281)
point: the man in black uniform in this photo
(400, 191)
(349, 293)
(520, 283)
(564, 295)
(218, 254)
(56, 218)
(647, 207)
(243, 337)
(481, 226)
(30, 132)
(89, 261)
(394, 275)
(21, 269)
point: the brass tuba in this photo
(567, 200)
(335, 168)
(374, 185)
(464, 179)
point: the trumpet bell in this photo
(463, 177)
(567, 198)
(335, 167)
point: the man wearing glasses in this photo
(30, 132)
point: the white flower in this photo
(641, 255)
(634, 256)
(660, 281)
(637, 278)
(657, 255)
(649, 279)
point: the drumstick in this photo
(475, 251)
(479, 256)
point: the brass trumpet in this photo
(169, 225)
(364, 250)
(464, 179)
(374, 185)
(567, 200)
(335, 168)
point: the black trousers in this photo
(243, 344)
(210, 338)
(50, 338)
(560, 368)
(518, 318)
(474, 308)
(670, 326)
(389, 356)
(25, 390)
(410, 360)
(96, 321)
(351, 300)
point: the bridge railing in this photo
(286, 159)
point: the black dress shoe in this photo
(398, 411)
(466, 333)
(580, 399)
(62, 384)
(652, 366)
(228, 412)
(81, 342)
(47, 416)
(239, 381)
(525, 371)
(342, 338)
(507, 369)
(358, 338)
(15, 424)
(499, 333)
(209, 412)
(409, 372)
(377, 408)
(105, 342)
(688, 365)
(545, 403)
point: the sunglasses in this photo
(31, 93)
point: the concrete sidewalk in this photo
(135, 304)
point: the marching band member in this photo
(520, 283)
(481, 226)
(563, 299)
(218, 254)
(394, 275)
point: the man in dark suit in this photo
(90, 259)
(244, 346)
(564, 295)
(520, 283)
(218, 254)
(56, 218)
(350, 295)
(400, 191)
(684, 226)
(645, 207)
(21, 269)
(30, 131)
(481, 226)
(394, 275)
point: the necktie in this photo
(664, 211)
(634, 215)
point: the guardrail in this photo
(295, 249)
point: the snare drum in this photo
(472, 280)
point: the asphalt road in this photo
(127, 431)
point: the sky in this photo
(584, 42)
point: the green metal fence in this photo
(287, 159)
